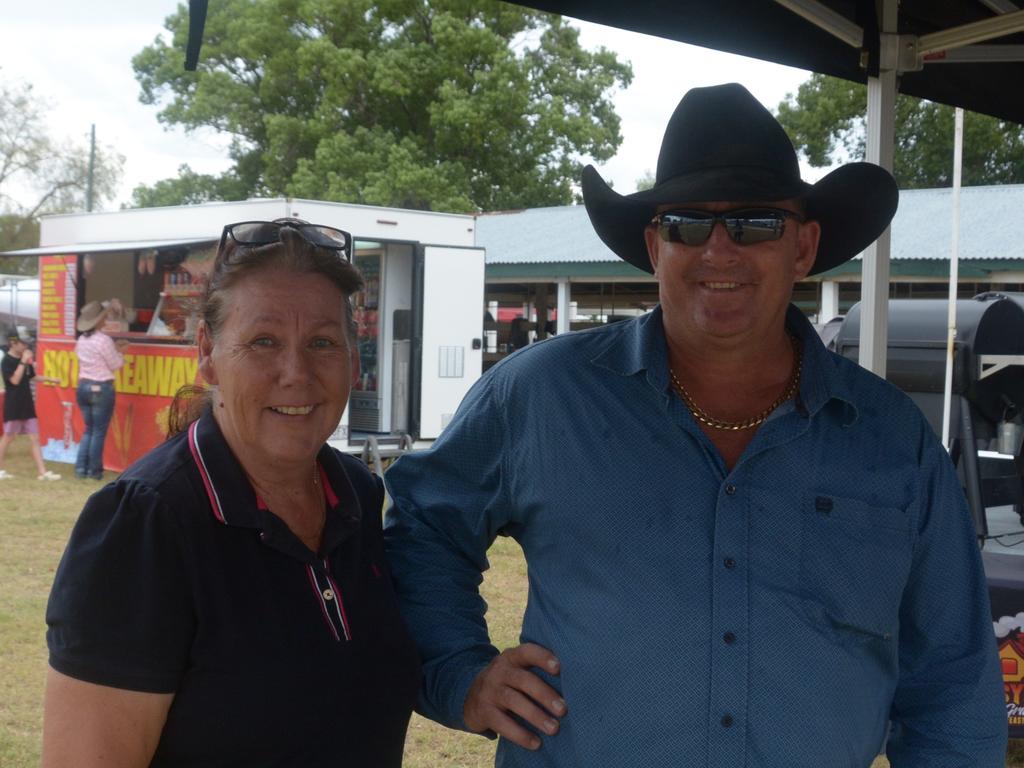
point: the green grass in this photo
(35, 520)
(430, 745)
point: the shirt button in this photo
(729, 638)
(730, 489)
(726, 721)
(328, 594)
(729, 563)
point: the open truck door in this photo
(448, 331)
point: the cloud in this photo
(663, 70)
(78, 55)
(1008, 624)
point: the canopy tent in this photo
(843, 38)
(966, 53)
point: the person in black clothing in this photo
(519, 333)
(226, 601)
(19, 410)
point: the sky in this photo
(77, 56)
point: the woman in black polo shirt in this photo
(226, 601)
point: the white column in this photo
(829, 301)
(492, 307)
(564, 312)
(874, 289)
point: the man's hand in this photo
(507, 687)
(27, 357)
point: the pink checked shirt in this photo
(98, 358)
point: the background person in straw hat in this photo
(99, 357)
(19, 410)
(742, 549)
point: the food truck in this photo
(418, 318)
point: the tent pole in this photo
(881, 130)
(954, 271)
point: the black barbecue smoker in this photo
(987, 411)
(987, 408)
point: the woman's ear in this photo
(204, 342)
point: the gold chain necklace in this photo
(737, 426)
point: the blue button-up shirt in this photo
(778, 614)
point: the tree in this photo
(188, 188)
(826, 122)
(50, 175)
(17, 232)
(646, 181)
(454, 105)
(40, 174)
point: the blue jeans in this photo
(96, 401)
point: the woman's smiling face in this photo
(283, 365)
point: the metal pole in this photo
(972, 469)
(92, 169)
(881, 130)
(954, 272)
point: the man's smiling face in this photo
(726, 293)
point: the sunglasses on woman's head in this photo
(745, 225)
(255, 233)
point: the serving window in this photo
(160, 290)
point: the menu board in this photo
(57, 296)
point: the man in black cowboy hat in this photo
(742, 549)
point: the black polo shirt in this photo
(178, 579)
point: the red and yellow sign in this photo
(145, 386)
(1011, 656)
(57, 297)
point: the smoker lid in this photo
(988, 324)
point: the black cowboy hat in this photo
(722, 145)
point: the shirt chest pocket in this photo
(854, 564)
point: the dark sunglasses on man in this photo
(745, 225)
(256, 233)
